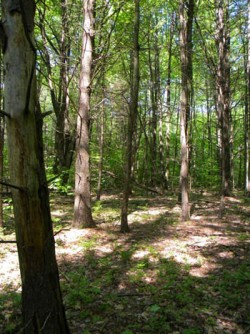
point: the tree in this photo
(82, 205)
(186, 26)
(223, 94)
(64, 143)
(133, 110)
(42, 306)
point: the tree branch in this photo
(3, 113)
(11, 185)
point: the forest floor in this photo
(164, 277)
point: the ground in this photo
(165, 276)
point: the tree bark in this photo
(82, 205)
(133, 110)
(41, 296)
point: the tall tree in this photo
(64, 142)
(186, 48)
(132, 117)
(41, 296)
(223, 94)
(167, 97)
(82, 205)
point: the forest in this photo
(125, 167)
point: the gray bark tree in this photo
(42, 306)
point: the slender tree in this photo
(186, 26)
(167, 98)
(42, 306)
(82, 205)
(64, 142)
(132, 117)
(223, 94)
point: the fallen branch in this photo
(147, 188)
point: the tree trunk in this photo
(82, 205)
(41, 296)
(101, 143)
(223, 94)
(133, 110)
(186, 22)
(167, 100)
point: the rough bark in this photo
(82, 205)
(186, 21)
(41, 296)
(133, 110)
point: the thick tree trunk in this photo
(41, 296)
(82, 206)
(223, 95)
(133, 110)
(186, 21)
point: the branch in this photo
(47, 113)
(147, 188)
(7, 241)
(11, 185)
(3, 113)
